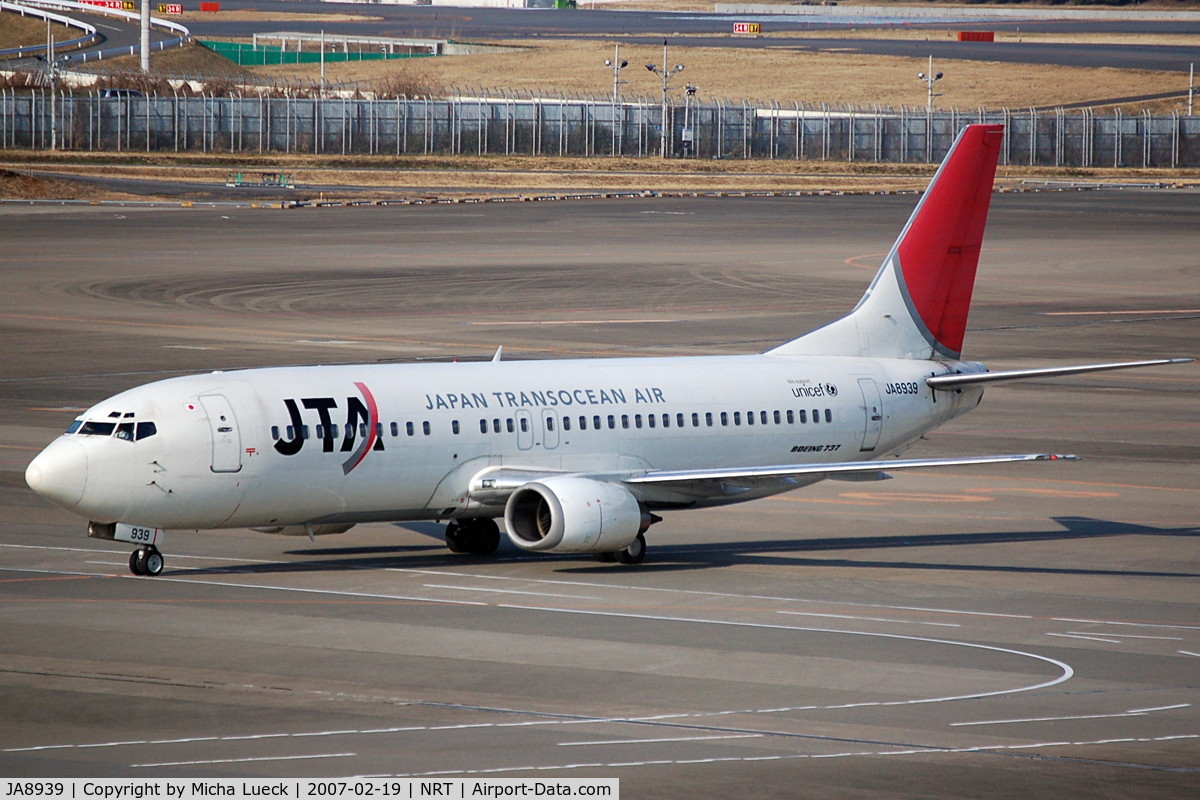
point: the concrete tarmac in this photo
(1018, 630)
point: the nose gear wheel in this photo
(146, 561)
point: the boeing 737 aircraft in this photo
(576, 456)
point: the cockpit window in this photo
(145, 429)
(94, 428)
(75, 426)
(125, 431)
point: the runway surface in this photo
(989, 632)
(715, 30)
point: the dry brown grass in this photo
(768, 74)
(191, 59)
(422, 176)
(18, 31)
(405, 82)
(23, 186)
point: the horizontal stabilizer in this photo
(974, 379)
(830, 470)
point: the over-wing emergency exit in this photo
(574, 456)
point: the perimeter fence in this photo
(565, 126)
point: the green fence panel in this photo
(248, 56)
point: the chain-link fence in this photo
(577, 127)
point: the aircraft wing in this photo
(846, 468)
(973, 379)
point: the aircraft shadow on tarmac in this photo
(778, 552)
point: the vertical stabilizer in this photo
(917, 305)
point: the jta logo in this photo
(362, 421)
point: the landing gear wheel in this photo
(605, 558)
(457, 540)
(137, 562)
(154, 562)
(634, 553)
(485, 537)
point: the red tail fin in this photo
(917, 305)
(939, 250)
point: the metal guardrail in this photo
(581, 127)
(184, 36)
(24, 10)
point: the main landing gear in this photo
(479, 537)
(630, 555)
(146, 561)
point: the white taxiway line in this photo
(101, 551)
(932, 750)
(869, 619)
(1082, 636)
(57, 572)
(1133, 712)
(1159, 708)
(1133, 636)
(1131, 624)
(732, 595)
(334, 592)
(508, 591)
(1188, 653)
(668, 739)
(244, 760)
(1067, 671)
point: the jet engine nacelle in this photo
(573, 515)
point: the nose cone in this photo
(59, 473)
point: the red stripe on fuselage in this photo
(371, 427)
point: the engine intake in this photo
(573, 515)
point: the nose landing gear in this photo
(146, 561)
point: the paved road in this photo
(115, 33)
(712, 30)
(1011, 631)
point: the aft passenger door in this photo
(226, 439)
(873, 411)
(549, 429)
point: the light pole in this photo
(666, 75)
(689, 132)
(616, 65)
(1192, 72)
(145, 36)
(53, 65)
(930, 79)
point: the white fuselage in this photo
(219, 455)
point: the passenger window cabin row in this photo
(582, 423)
